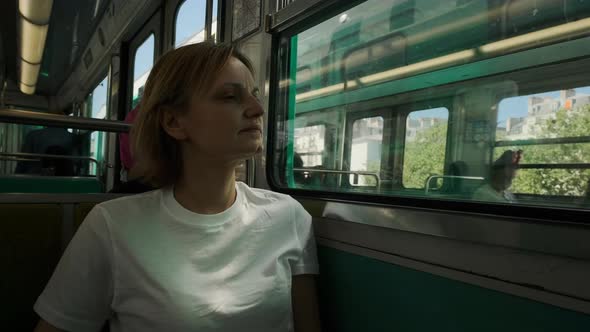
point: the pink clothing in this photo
(124, 144)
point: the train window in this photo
(96, 102)
(142, 65)
(552, 132)
(190, 22)
(246, 17)
(30, 150)
(425, 146)
(96, 107)
(466, 110)
(303, 79)
(309, 146)
(365, 152)
(214, 22)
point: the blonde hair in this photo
(175, 79)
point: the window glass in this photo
(551, 130)
(190, 22)
(246, 17)
(425, 146)
(22, 150)
(489, 106)
(142, 65)
(365, 154)
(309, 146)
(97, 106)
(98, 100)
(214, 22)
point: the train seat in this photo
(30, 247)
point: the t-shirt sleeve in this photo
(307, 261)
(78, 296)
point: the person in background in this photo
(45, 141)
(129, 184)
(204, 252)
(502, 174)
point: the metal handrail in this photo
(57, 120)
(430, 178)
(38, 157)
(17, 159)
(331, 171)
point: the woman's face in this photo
(225, 123)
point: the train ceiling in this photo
(70, 28)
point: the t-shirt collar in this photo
(184, 215)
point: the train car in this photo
(441, 147)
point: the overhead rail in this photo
(63, 121)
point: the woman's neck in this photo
(207, 187)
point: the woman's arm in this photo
(306, 316)
(43, 326)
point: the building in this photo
(416, 125)
(539, 110)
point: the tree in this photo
(425, 156)
(558, 182)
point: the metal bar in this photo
(554, 166)
(56, 120)
(18, 159)
(55, 156)
(544, 141)
(28, 198)
(430, 178)
(208, 19)
(40, 155)
(331, 171)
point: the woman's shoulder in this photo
(273, 202)
(123, 207)
(263, 195)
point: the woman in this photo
(203, 253)
(502, 174)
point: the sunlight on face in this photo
(226, 123)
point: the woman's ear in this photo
(172, 124)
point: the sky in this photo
(190, 20)
(439, 112)
(99, 96)
(514, 107)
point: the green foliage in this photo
(372, 166)
(559, 182)
(425, 156)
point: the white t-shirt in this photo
(488, 194)
(147, 264)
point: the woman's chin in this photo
(249, 152)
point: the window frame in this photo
(406, 114)
(208, 20)
(540, 142)
(132, 67)
(351, 118)
(314, 124)
(283, 31)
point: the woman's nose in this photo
(254, 107)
